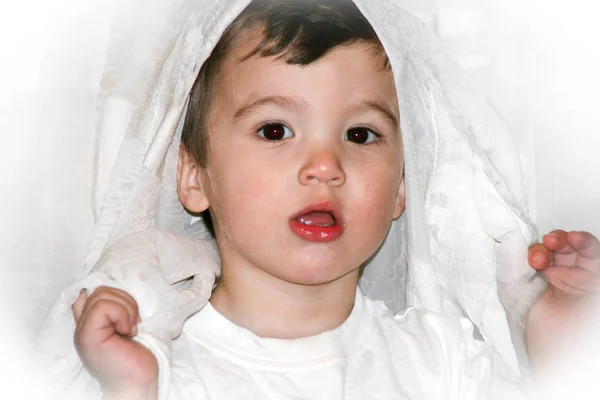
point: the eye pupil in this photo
(274, 131)
(358, 135)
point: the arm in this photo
(571, 264)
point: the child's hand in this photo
(571, 263)
(106, 322)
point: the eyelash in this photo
(377, 135)
(262, 127)
(287, 130)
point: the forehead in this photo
(348, 73)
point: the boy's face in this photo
(335, 149)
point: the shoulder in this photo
(416, 321)
(424, 334)
(442, 349)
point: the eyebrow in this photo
(380, 108)
(256, 102)
(292, 102)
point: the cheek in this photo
(246, 198)
(378, 193)
(375, 211)
(380, 200)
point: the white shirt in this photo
(372, 355)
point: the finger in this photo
(103, 319)
(118, 296)
(135, 311)
(586, 244)
(539, 256)
(78, 305)
(573, 281)
(105, 291)
(556, 241)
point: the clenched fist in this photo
(105, 323)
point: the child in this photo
(292, 142)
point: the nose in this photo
(322, 167)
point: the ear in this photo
(189, 186)
(400, 202)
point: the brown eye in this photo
(361, 135)
(275, 132)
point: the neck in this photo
(274, 308)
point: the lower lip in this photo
(317, 234)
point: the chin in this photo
(314, 274)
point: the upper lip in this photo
(327, 206)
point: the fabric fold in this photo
(170, 276)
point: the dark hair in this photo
(296, 31)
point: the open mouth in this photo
(320, 213)
(317, 218)
(320, 222)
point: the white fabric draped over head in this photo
(460, 247)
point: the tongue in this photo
(317, 219)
